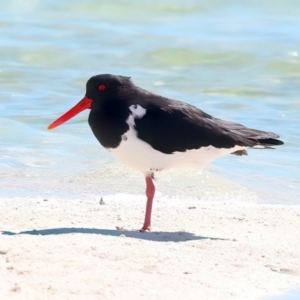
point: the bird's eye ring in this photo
(101, 87)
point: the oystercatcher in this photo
(152, 133)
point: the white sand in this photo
(198, 250)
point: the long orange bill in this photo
(83, 104)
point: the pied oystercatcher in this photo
(151, 133)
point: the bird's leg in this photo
(150, 190)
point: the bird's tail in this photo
(249, 137)
(269, 142)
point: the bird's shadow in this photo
(157, 236)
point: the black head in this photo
(100, 89)
(105, 87)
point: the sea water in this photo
(236, 60)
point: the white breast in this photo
(139, 155)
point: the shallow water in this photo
(236, 61)
(293, 295)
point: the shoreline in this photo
(71, 249)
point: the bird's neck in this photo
(108, 124)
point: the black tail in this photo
(249, 137)
(260, 143)
(270, 142)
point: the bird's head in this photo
(99, 89)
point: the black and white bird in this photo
(151, 133)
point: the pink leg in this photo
(150, 190)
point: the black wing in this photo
(170, 126)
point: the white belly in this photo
(141, 156)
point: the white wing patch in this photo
(137, 112)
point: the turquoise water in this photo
(235, 60)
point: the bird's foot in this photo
(145, 229)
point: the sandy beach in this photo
(70, 249)
(229, 231)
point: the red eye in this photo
(101, 87)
